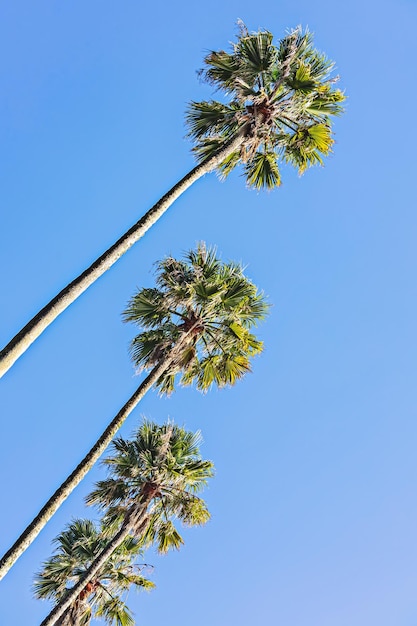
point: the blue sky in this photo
(314, 512)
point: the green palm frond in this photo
(251, 344)
(76, 548)
(166, 384)
(169, 457)
(233, 367)
(324, 104)
(148, 307)
(228, 164)
(222, 369)
(257, 58)
(306, 146)
(200, 297)
(275, 91)
(205, 118)
(167, 537)
(302, 79)
(194, 512)
(222, 68)
(320, 67)
(135, 460)
(107, 491)
(152, 346)
(152, 482)
(207, 147)
(114, 611)
(262, 171)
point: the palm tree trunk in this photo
(81, 470)
(21, 342)
(136, 518)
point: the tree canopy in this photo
(205, 310)
(281, 97)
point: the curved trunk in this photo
(140, 520)
(80, 471)
(21, 342)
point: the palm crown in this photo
(77, 546)
(162, 466)
(281, 99)
(201, 311)
(153, 480)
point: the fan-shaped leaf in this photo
(262, 171)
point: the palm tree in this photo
(153, 480)
(197, 323)
(281, 100)
(77, 547)
(205, 306)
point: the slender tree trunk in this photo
(21, 342)
(139, 520)
(81, 470)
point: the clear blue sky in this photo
(314, 508)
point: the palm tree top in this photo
(76, 547)
(205, 309)
(163, 464)
(280, 97)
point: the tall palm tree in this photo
(206, 306)
(153, 480)
(281, 99)
(197, 322)
(77, 547)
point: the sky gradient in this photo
(314, 509)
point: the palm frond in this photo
(146, 308)
(262, 171)
(201, 297)
(257, 56)
(167, 537)
(194, 512)
(76, 548)
(275, 90)
(221, 69)
(306, 146)
(169, 458)
(115, 612)
(207, 118)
